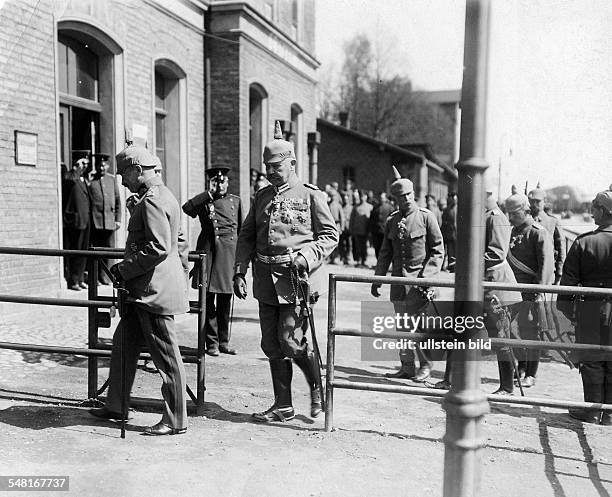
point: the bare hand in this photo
(240, 286)
(300, 265)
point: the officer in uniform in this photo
(105, 207)
(531, 259)
(288, 230)
(413, 242)
(537, 198)
(220, 216)
(497, 302)
(154, 271)
(589, 263)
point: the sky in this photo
(550, 94)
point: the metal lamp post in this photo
(466, 404)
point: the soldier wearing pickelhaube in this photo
(413, 243)
(220, 215)
(537, 198)
(532, 261)
(589, 263)
(289, 230)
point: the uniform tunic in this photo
(553, 226)
(221, 220)
(292, 219)
(413, 243)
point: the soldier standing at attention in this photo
(288, 230)
(589, 263)
(413, 242)
(537, 198)
(154, 270)
(105, 208)
(531, 259)
(220, 215)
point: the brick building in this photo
(346, 154)
(87, 74)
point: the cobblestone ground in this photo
(384, 444)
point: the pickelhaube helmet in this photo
(516, 202)
(278, 149)
(400, 186)
(537, 193)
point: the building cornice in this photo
(188, 12)
(263, 23)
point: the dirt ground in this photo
(383, 444)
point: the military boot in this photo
(506, 374)
(593, 392)
(282, 409)
(309, 366)
(406, 371)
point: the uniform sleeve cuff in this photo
(310, 256)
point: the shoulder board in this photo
(425, 209)
(311, 186)
(537, 226)
(393, 213)
(582, 235)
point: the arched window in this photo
(169, 126)
(257, 118)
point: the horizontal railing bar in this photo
(18, 299)
(487, 285)
(498, 342)
(101, 352)
(95, 253)
(506, 399)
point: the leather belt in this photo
(274, 259)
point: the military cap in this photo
(278, 149)
(400, 186)
(537, 193)
(104, 157)
(217, 172)
(516, 202)
(134, 155)
(604, 200)
(80, 154)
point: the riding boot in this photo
(282, 409)
(506, 374)
(309, 365)
(406, 371)
(593, 392)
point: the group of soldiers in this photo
(286, 237)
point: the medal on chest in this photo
(402, 229)
(211, 211)
(516, 240)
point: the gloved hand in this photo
(240, 286)
(375, 289)
(114, 270)
(557, 280)
(300, 265)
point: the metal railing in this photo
(333, 331)
(94, 349)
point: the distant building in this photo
(345, 154)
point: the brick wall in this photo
(29, 196)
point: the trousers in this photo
(217, 319)
(282, 331)
(140, 327)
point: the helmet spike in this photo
(278, 132)
(396, 173)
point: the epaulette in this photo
(581, 235)
(393, 213)
(425, 209)
(311, 186)
(537, 226)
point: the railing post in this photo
(466, 404)
(201, 359)
(92, 326)
(331, 348)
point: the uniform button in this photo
(271, 231)
(232, 207)
(231, 237)
(217, 237)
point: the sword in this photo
(302, 285)
(122, 294)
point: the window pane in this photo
(78, 69)
(63, 67)
(87, 75)
(160, 91)
(160, 138)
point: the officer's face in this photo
(131, 178)
(518, 217)
(598, 213)
(405, 201)
(278, 173)
(219, 184)
(536, 205)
